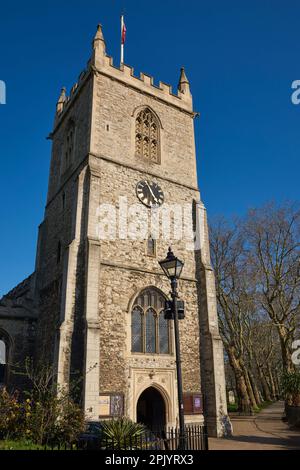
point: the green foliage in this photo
(47, 416)
(291, 387)
(14, 415)
(122, 433)
(232, 407)
(70, 423)
(23, 444)
(56, 419)
(19, 445)
(263, 405)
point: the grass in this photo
(263, 405)
(232, 408)
(19, 445)
(26, 445)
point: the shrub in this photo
(71, 422)
(47, 416)
(9, 415)
(55, 417)
(122, 433)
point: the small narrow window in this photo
(151, 247)
(63, 200)
(69, 144)
(58, 256)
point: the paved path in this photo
(265, 431)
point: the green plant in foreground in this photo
(122, 433)
(19, 445)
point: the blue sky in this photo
(241, 58)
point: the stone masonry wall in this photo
(117, 105)
(60, 226)
(126, 269)
(115, 331)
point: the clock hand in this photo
(154, 197)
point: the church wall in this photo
(115, 329)
(61, 226)
(117, 181)
(125, 267)
(116, 106)
(79, 112)
(118, 366)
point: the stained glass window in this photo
(137, 330)
(163, 334)
(150, 332)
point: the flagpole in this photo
(122, 42)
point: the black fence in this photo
(195, 438)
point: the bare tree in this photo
(273, 239)
(234, 304)
(257, 267)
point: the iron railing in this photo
(196, 438)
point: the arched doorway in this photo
(151, 409)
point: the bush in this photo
(55, 420)
(71, 422)
(9, 415)
(47, 416)
(14, 415)
(122, 433)
(291, 388)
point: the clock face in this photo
(150, 193)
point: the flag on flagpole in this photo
(123, 32)
(123, 38)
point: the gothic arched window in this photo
(147, 136)
(4, 354)
(150, 332)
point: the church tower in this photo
(123, 155)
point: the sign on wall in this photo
(111, 405)
(192, 403)
(104, 405)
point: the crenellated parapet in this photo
(102, 64)
(64, 100)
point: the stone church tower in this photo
(120, 142)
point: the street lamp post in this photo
(172, 267)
